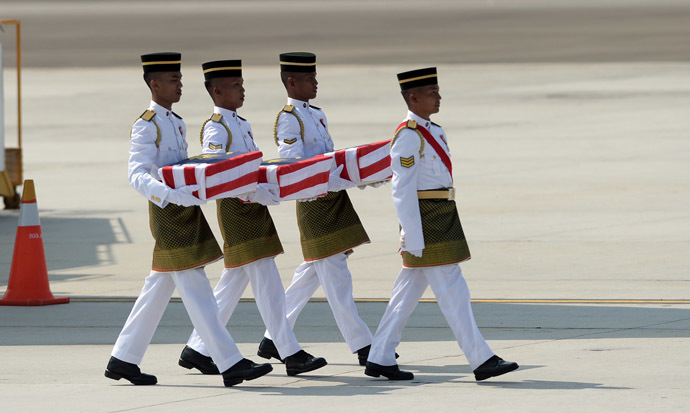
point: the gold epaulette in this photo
(291, 110)
(216, 117)
(148, 115)
(411, 124)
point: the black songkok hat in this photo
(298, 62)
(222, 68)
(161, 62)
(417, 78)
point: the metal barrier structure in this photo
(11, 162)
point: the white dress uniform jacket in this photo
(426, 172)
(156, 143)
(215, 135)
(316, 141)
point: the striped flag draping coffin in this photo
(218, 176)
(298, 178)
(366, 163)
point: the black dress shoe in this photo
(267, 350)
(495, 366)
(118, 369)
(192, 359)
(390, 372)
(245, 370)
(363, 355)
(302, 362)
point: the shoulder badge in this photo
(241, 118)
(436, 124)
(176, 115)
(216, 117)
(148, 115)
(410, 124)
(315, 107)
(290, 141)
(287, 109)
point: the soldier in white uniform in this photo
(329, 226)
(184, 241)
(250, 238)
(431, 236)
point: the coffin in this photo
(218, 176)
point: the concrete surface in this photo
(595, 358)
(568, 129)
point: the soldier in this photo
(431, 237)
(184, 241)
(329, 226)
(251, 241)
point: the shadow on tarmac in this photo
(68, 242)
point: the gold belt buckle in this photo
(451, 194)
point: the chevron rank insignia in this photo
(290, 141)
(214, 147)
(407, 162)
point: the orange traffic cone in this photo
(28, 284)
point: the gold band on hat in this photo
(298, 64)
(412, 79)
(164, 62)
(215, 69)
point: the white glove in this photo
(265, 194)
(416, 253)
(373, 185)
(336, 183)
(183, 196)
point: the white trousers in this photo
(452, 296)
(335, 278)
(197, 297)
(270, 298)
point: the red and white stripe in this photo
(302, 179)
(366, 163)
(374, 161)
(225, 178)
